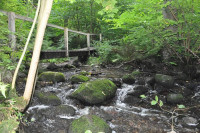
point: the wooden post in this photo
(88, 42)
(11, 27)
(66, 37)
(100, 37)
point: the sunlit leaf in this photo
(161, 103)
(143, 96)
(153, 102)
(181, 106)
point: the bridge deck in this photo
(49, 54)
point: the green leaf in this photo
(156, 98)
(153, 102)
(3, 89)
(161, 103)
(181, 106)
(143, 96)
(88, 131)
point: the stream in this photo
(121, 116)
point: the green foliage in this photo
(156, 101)
(88, 131)
(106, 52)
(181, 106)
(4, 88)
(143, 96)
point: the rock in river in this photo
(164, 80)
(52, 77)
(174, 98)
(89, 122)
(79, 78)
(94, 92)
(128, 79)
(48, 98)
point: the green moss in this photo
(95, 91)
(128, 78)
(79, 78)
(84, 73)
(52, 77)
(89, 122)
(20, 103)
(48, 98)
(134, 73)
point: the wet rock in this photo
(89, 122)
(160, 89)
(76, 63)
(128, 79)
(132, 100)
(150, 80)
(48, 98)
(68, 66)
(164, 80)
(138, 90)
(52, 77)
(117, 81)
(175, 98)
(79, 78)
(58, 110)
(52, 66)
(94, 92)
(140, 81)
(189, 121)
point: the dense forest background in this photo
(132, 29)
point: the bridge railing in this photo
(12, 38)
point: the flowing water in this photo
(121, 117)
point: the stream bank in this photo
(127, 112)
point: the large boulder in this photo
(94, 92)
(175, 98)
(48, 98)
(164, 80)
(79, 78)
(89, 122)
(52, 77)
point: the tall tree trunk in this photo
(46, 6)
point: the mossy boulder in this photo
(175, 98)
(48, 98)
(128, 79)
(164, 80)
(84, 73)
(52, 77)
(89, 122)
(79, 78)
(95, 92)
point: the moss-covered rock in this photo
(175, 98)
(48, 98)
(128, 79)
(164, 80)
(94, 92)
(84, 73)
(79, 78)
(52, 77)
(89, 122)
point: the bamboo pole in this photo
(46, 6)
(26, 45)
(66, 37)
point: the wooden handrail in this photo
(50, 25)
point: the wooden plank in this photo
(4, 12)
(66, 37)
(88, 42)
(11, 27)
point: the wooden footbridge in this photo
(81, 53)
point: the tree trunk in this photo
(45, 10)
